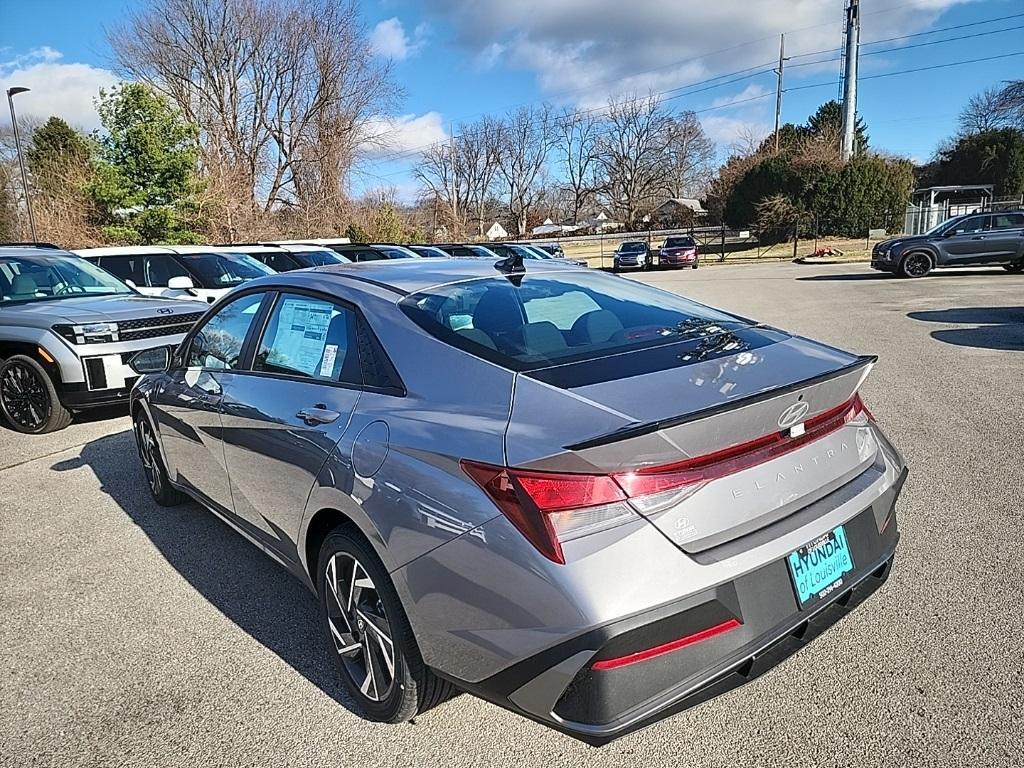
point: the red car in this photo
(678, 251)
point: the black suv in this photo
(977, 239)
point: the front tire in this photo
(370, 636)
(916, 264)
(163, 493)
(28, 398)
(696, 263)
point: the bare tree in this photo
(524, 139)
(439, 172)
(633, 152)
(1011, 103)
(579, 135)
(690, 154)
(983, 112)
(281, 91)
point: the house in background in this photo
(931, 206)
(677, 212)
(496, 232)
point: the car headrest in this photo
(497, 311)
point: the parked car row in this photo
(675, 251)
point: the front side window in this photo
(310, 338)
(218, 344)
(971, 224)
(223, 270)
(279, 262)
(550, 319)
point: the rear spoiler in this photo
(638, 430)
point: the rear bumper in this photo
(560, 687)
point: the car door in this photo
(188, 406)
(285, 414)
(1006, 236)
(969, 242)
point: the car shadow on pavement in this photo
(241, 582)
(890, 276)
(87, 416)
(1000, 328)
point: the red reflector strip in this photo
(661, 650)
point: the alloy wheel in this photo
(917, 265)
(359, 626)
(25, 398)
(149, 455)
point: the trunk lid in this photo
(671, 404)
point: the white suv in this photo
(197, 272)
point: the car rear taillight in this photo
(550, 508)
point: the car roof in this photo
(251, 248)
(313, 241)
(122, 250)
(405, 276)
(28, 251)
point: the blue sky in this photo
(459, 59)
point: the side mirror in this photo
(154, 360)
(180, 283)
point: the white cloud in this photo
(404, 133)
(63, 89)
(583, 51)
(752, 92)
(390, 40)
(729, 131)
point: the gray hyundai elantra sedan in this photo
(579, 497)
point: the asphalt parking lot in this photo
(135, 635)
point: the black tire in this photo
(163, 493)
(916, 264)
(1018, 267)
(696, 263)
(411, 687)
(28, 399)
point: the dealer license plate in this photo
(819, 567)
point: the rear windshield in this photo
(320, 257)
(679, 242)
(558, 318)
(221, 270)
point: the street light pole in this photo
(11, 93)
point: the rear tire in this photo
(1018, 267)
(916, 264)
(28, 399)
(368, 631)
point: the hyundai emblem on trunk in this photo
(794, 414)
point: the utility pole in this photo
(778, 88)
(852, 52)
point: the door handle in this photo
(319, 414)
(978, 237)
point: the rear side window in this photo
(555, 318)
(279, 262)
(310, 338)
(159, 269)
(123, 267)
(1007, 220)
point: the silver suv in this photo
(68, 331)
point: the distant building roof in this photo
(683, 202)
